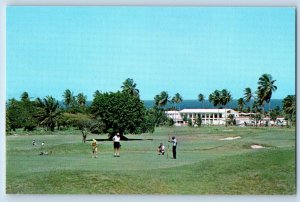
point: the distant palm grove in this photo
(124, 112)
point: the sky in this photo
(186, 50)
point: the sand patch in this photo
(231, 138)
(256, 146)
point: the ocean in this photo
(193, 104)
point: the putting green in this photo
(196, 147)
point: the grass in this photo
(205, 164)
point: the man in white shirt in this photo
(117, 145)
(174, 142)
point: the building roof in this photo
(207, 111)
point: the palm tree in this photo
(225, 99)
(81, 99)
(255, 109)
(215, 99)
(201, 98)
(25, 97)
(265, 89)
(48, 112)
(68, 98)
(177, 99)
(130, 87)
(162, 99)
(241, 104)
(289, 105)
(248, 95)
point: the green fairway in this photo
(205, 164)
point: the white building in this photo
(217, 117)
(208, 116)
(175, 115)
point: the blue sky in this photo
(189, 50)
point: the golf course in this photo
(210, 160)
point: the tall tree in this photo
(265, 89)
(241, 104)
(120, 112)
(15, 114)
(129, 86)
(81, 99)
(248, 95)
(177, 99)
(25, 97)
(256, 109)
(68, 98)
(48, 112)
(220, 98)
(215, 99)
(225, 99)
(289, 105)
(162, 99)
(201, 98)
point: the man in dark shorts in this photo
(117, 145)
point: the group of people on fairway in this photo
(116, 143)
(161, 147)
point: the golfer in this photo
(94, 149)
(117, 145)
(174, 142)
(161, 149)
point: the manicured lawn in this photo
(205, 164)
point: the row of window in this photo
(203, 115)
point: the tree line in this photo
(110, 112)
(124, 112)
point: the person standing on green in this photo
(116, 140)
(174, 142)
(94, 149)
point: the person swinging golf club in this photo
(117, 145)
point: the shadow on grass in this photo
(131, 139)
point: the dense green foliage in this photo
(21, 114)
(110, 112)
(120, 112)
